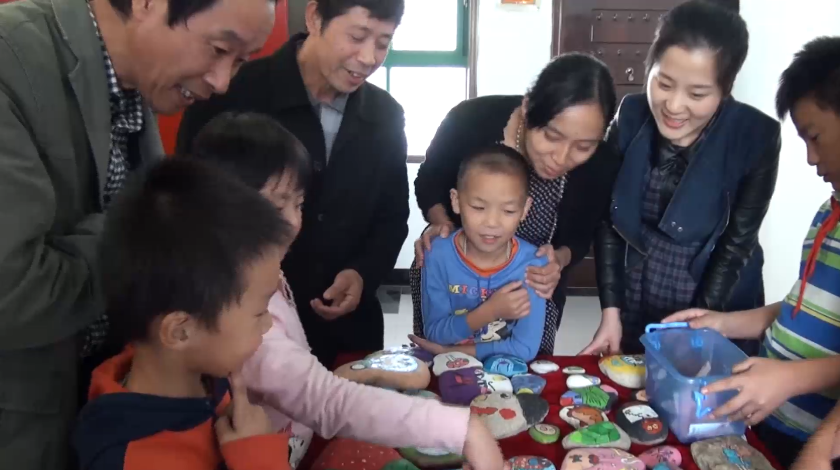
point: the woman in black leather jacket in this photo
(698, 172)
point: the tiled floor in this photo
(580, 320)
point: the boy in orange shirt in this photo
(190, 258)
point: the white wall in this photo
(514, 44)
(779, 28)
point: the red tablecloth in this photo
(523, 444)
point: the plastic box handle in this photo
(666, 326)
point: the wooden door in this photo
(619, 32)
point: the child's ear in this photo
(456, 206)
(176, 330)
(528, 203)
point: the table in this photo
(523, 444)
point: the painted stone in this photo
(600, 459)
(573, 370)
(453, 361)
(506, 414)
(728, 453)
(581, 416)
(602, 397)
(356, 455)
(544, 367)
(640, 395)
(531, 463)
(641, 423)
(426, 460)
(505, 365)
(460, 387)
(582, 381)
(627, 371)
(545, 433)
(393, 371)
(666, 466)
(604, 434)
(665, 454)
(527, 383)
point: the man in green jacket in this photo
(79, 85)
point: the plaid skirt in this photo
(662, 283)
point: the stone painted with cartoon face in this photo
(642, 423)
(505, 365)
(528, 383)
(627, 371)
(392, 371)
(665, 454)
(581, 416)
(454, 361)
(728, 453)
(598, 435)
(602, 397)
(506, 414)
(530, 462)
(601, 459)
(460, 387)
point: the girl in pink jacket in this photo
(299, 394)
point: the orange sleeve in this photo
(266, 452)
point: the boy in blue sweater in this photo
(474, 298)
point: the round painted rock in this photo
(392, 371)
(602, 397)
(528, 383)
(545, 433)
(581, 416)
(627, 371)
(600, 459)
(573, 370)
(505, 365)
(582, 381)
(530, 462)
(506, 414)
(596, 436)
(665, 466)
(641, 423)
(730, 452)
(454, 361)
(665, 454)
(544, 367)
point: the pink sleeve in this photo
(292, 380)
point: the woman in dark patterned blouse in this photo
(558, 127)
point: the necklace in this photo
(520, 147)
(508, 250)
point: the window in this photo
(427, 73)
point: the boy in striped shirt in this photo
(795, 384)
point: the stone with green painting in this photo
(598, 435)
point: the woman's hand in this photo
(544, 279)
(607, 339)
(440, 226)
(762, 384)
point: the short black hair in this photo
(179, 10)
(815, 71)
(179, 238)
(253, 147)
(701, 24)
(497, 159)
(569, 80)
(383, 10)
(731, 5)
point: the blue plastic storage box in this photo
(679, 362)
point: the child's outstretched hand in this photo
(510, 302)
(763, 385)
(241, 419)
(481, 450)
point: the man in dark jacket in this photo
(80, 82)
(355, 218)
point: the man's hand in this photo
(544, 279)
(764, 385)
(510, 302)
(698, 318)
(241, 419)
(607, 339)
(481, 450)
(345, 294)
